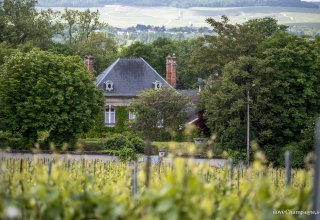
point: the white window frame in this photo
(132, 116)
(157, 85)
(110, 116)
(160, 123)
(109, 85)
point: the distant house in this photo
(125, 79)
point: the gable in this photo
(129, 76)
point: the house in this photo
(125, 79)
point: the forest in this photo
(177, 3)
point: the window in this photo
(109, 85)
(132, 116)
(110, 116)
(160, 123)
(157, 85)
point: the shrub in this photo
(117, 142)
(297, 155)
(127, 154)
(10, 140)
(138, 144)
(127, 146)
(235, 155)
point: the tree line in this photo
(280, 71)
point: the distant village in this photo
(149, 28)
(148, 33)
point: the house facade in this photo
(124, 80)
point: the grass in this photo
(91, 144)
(182, 149)
(126, 16)
(171, 147)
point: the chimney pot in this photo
(173, 71)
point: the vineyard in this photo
(92, 189)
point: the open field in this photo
(126, 16)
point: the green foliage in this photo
(126, 146)
(182, 190)
(165, 111)
(283, 103)
(117, 142)
(236, 155)
(186, 78)
(81, 37)
(99, 130)
(25, 28)
(20, 22)
(139, 49)
(229, 42)
(121, 141)
(127, 154)
(103, 48)
(80, 25)
(288, 100)
(138, 144)
(41, 91)
(5, 51)
(8, 139)
(122, 118)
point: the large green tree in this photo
(21, 22)
(185, 76)
(45, 92)
(79, 25)
(159, 111)
(284, 101)
(229, 42)
(103, 48)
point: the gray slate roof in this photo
(130, 76)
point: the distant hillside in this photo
(176, 3)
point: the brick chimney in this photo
(88, 61)
(173, 71)
(168, 69)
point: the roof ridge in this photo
(129, 58)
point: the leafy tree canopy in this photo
(229, 42)
(45, 92)
(159, 110)
(103, 48)
(20, 22)
(284, 101)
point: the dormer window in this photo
(109, 85)
(157, 85)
